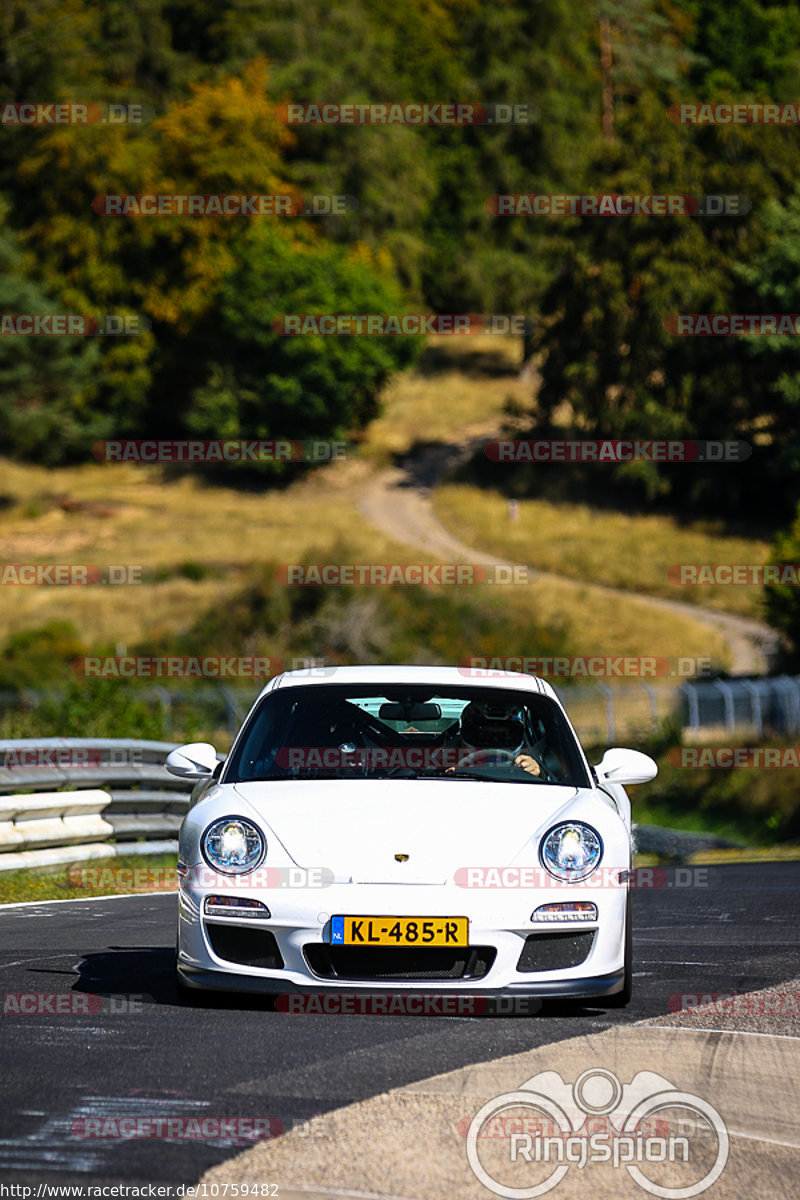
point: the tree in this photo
(783, 600)
(606, 351)
(183, 274)
(47, 383)
(263, 385)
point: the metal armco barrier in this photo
(63, 799)
(771, 704)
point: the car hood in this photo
(355, 828)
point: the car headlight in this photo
(233, 846)
(571, 851)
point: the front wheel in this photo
(620, 999)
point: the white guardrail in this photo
(63, 800)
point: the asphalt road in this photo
(138, 1052)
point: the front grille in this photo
(402, 963)
(248, 947)
(555, 951)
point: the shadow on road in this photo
(147, 974)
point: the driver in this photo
(495, 728)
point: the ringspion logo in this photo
(535, 1157)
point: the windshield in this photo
(407, 732)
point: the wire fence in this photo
(601, 712)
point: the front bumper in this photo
(576, 989)
(300, 920)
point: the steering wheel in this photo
(470, 760)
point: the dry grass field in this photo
(197, 540)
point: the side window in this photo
(255, 757)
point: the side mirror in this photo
(196, 761)
(625, 767)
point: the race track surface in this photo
(140, 1052)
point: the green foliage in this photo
(261, 384)
(597, 79)
(603, 341)
(94, 877)
(46, 384)
(40, 658)
(783, 600)
(761, 808)
(750, 45)
(364, 624)
(204, 283)
(88, 708)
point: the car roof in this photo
(436, 676)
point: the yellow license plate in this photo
(399, 931)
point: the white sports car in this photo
(407, 829)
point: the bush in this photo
(261, 384)
(783, 600)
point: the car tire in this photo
(620, 999)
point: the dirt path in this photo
(398, 502)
